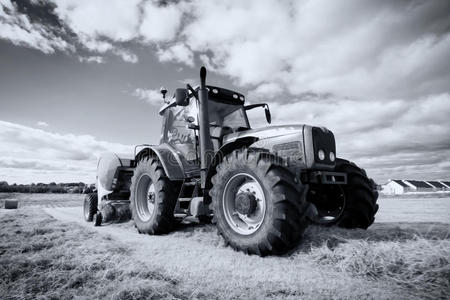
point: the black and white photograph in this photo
(207, 149)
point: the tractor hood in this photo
(303, 146)
(265, 132)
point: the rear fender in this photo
(168, 157)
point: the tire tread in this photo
(288, 200)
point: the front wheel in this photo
(153, 198)
(258, 206)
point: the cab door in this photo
(183, 139)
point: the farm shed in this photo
(437, 185)
(395, 187)
(419, 185)
(446, 183)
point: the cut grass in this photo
(44, 258)
(420, 264)
(414, 209)
(40, 257)
(44, 200)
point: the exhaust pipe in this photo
(206, 146)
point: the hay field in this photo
(414, 209)
(43, 200)
(63, 257)
(41, 257)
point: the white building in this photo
(395, 187)
(398, 187)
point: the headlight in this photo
(332, 156)
(321, 154)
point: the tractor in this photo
(261, 187)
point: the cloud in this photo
(18, 28)
(113, 19)
(94, 44)
(12, 163)
(160, 23)
(71, 26)
(153, 97)
(177, 53)
(374, 50)
(42, 124)
(26, 152)
(374, 72)
(126, 55)
(100, 31)
(269, 90)
(92, 59)
(144, 22)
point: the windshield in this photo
(223, 114)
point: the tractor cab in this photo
(227, 115)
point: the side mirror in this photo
(266, 110)
(181, 97)
(268, 115)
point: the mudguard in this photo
(172, 162)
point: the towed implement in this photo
(261, 187)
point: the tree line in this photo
(52, 187)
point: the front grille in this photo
(323, 140)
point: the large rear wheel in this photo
(258, 205)
(353, 205)
(153, 198)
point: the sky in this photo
(81, 77)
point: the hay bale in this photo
(11, 204)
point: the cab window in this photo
(176, 132)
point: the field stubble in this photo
(44, 257)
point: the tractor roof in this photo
(223, 95)
(216, 94)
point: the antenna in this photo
(163, 92)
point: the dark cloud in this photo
(42, 12)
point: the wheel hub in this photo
(245, 203)
(151, 195)
(145, 198)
